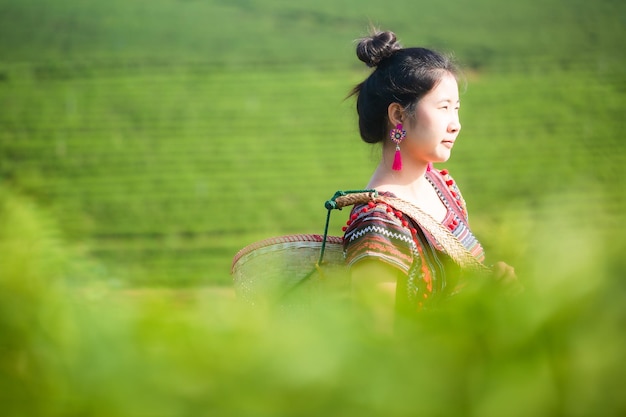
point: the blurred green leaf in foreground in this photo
(68, 349)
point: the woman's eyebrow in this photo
(449, 100)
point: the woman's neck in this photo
(411, 186)
(410, 178)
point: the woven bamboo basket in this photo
(282, 269)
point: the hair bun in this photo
(375, 48)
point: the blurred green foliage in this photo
(142, 143)
(93, 350)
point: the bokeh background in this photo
(142, 143)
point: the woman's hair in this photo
(402, 75)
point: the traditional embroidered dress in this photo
(425, 271)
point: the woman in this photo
(410, 104)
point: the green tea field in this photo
(165, 147)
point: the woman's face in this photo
(433, 128)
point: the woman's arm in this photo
(374, 293)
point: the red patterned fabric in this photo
(376, 231)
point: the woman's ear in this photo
(395, 114)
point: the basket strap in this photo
(442, 235)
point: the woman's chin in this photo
(441, 158)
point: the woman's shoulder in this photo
(377, 231)
(377, 214)
(377, 220)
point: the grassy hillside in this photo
(165, 135)
(481, 32)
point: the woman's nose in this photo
(454, 126)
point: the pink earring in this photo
(397, 135)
